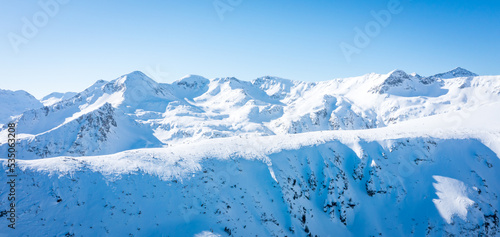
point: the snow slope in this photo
(105, 130)
(349, 183)
(55, 97)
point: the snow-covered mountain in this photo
(195, 108)
(457, 72)
(55, 97)
(14, 103)
(380, 154)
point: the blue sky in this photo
(84, 41)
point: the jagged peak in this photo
(457, 72)
(461, 70)
(395, 77)
(398, 73)
(392, 79)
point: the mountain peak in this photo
(458, 69)
(457, 72)
(137, 73)
(414, 74)
(135, 78)
(15, 103)
(398, 73)
(191, 86)
(396, 77)
(191, 80)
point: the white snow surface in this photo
(347, 182)
(14, 103)
(453, 198)
(382, 154)
(56, 97)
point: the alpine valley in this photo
(392, 154)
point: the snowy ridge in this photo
(249, 147)
(55, 97)
(195, 108)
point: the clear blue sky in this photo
(90, 40)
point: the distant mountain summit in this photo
(55, 97)
(14, 103)
(457, 72)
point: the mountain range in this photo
(133, 111)
(380, 154)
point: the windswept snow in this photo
(452, 199)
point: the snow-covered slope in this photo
(384, 181)
(105, 130)
(55, 97)
(392, 154)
